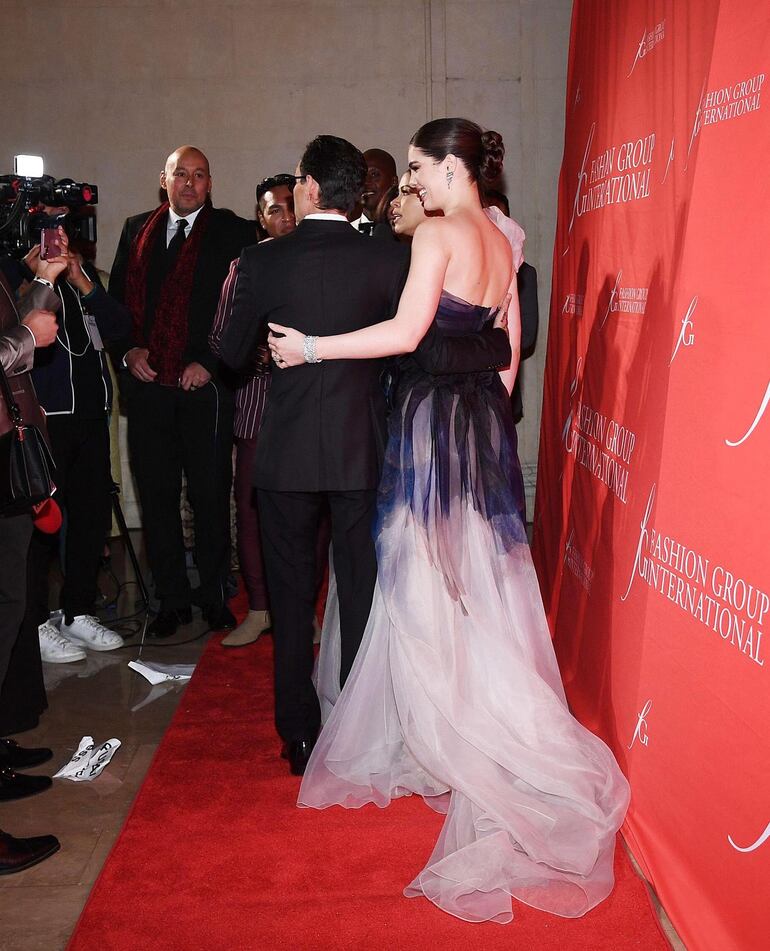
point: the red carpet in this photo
(214, 854)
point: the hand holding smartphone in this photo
(50, 244)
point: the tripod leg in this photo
(125, 535)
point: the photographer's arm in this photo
(112, 318)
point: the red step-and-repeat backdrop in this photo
(652, 523)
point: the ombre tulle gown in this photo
(455, 694)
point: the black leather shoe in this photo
(18, 854)
(219, 617)
(299, 753)
(165, 623)
(15, 786)
(18, 757)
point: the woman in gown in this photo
(455, 694)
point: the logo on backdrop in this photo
(764, 837)
(577, 564)
(757, 419)
(726, 102)
(648, 42)
(573, 304)
(696, 123)
(617, 175)
(668, 163)
(687, 331)
(625, 300)
(640, 733)
(601, 445)
(582, 180)
(566, 431)
(733, 101)
(719, 599)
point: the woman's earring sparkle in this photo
(449, 176)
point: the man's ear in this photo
(261, 218)
(313, 190)
(163, 180)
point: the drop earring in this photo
(449, 176)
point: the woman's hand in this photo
(50, 268)
(76, 275)
(286, 346)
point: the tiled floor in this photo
(101, 697)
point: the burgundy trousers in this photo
(247, 525)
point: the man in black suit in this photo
(169, 269)
(323, 431)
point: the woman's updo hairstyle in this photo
(480, 152)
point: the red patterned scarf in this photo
(168, 336)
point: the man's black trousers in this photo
(289, 524)
(171, 431)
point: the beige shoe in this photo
(248, 630)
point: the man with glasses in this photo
(324, 429)
(275, 214)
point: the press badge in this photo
(93, 332)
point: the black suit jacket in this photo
(224, 239)
(526, 280)
(324, 424)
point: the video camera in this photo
(22, 217)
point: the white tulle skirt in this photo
(455, 694)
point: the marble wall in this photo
(105, 89)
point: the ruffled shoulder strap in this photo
(512, 231)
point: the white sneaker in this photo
(55, 648)
(86, 630)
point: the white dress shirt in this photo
(325, 216)
(173, 217)
(363, 220)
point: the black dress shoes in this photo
(18, 854)
(15, 786)
(165, 623)
(219, 617)
(297, 752)
(18, 757)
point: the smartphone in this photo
(50, 243)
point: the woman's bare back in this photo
(480, 263)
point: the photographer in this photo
(74, 388)
(17, 345)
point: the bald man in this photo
(381, 176)
(169, 270)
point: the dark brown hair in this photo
(480, 152)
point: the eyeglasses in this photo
(276, 181)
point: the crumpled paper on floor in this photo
(88, 761)
(158, 673)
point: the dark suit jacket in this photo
(225, 238)
(526, 281)
(324, 424)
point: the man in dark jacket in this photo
(323, 433)
(169, 270)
